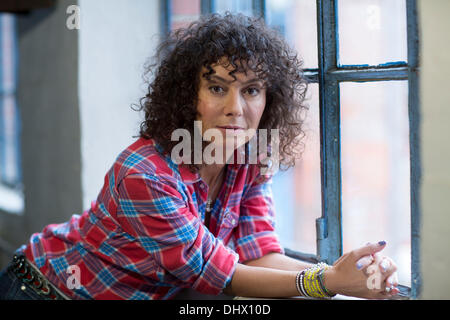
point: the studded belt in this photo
(32, 278)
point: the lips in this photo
(230, 127)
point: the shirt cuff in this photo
(218, 271)
(258, 245)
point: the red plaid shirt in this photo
(144, 237)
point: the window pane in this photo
(242, 6)
(10, 173)
(184, 12)
(297, 21)
(297, 192)
(372, 31)
(9, 141)
(375, 169)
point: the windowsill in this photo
(337, 297)
(11, 201)
(405, 294)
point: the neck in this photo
(211, 173)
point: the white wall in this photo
(116, 37)
(435, 132)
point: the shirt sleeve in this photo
(255, 234)
(158, 216)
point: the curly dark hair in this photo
(246, 43)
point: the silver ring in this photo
(387, 290)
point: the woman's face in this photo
(232, 106)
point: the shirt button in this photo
(233, 221)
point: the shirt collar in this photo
(187, 176)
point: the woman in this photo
(188, 214)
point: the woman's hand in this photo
(363, 273)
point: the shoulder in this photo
(256, 175)
(143, 157)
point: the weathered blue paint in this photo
(207, 6)
(329, 226)
(369, 73)
(165, 7)
(259, 8)
(381, 65)
(414, 144)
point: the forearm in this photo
(278, 261)
(251, 281)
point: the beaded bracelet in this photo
(328, 293)
(309, 282)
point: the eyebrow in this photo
(215, 77)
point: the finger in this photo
(395, 291)
(369, 249)
(364, 262)
(395, 279)
(390, 281)
(390, 292)
(387, 266)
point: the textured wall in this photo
(435, 132)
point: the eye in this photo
(216, 89)
(253, 91)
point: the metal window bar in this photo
(414, 146)
(165, 16)
(329, 226)
(207, 6)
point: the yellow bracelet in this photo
(312, 281)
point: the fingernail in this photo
(381, 243)
(384, 266)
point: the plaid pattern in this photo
(144, 237)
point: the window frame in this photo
(328, 76)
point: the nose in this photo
(234, 104)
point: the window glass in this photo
(184, 12)
(297, 192)
(9, 141)
(11, 198)
(296, 20)
(372, 31)
(242, 6)
(375, 169)
(9, 114)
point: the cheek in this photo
(257, 111)
(206, 112)
(202, 109)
